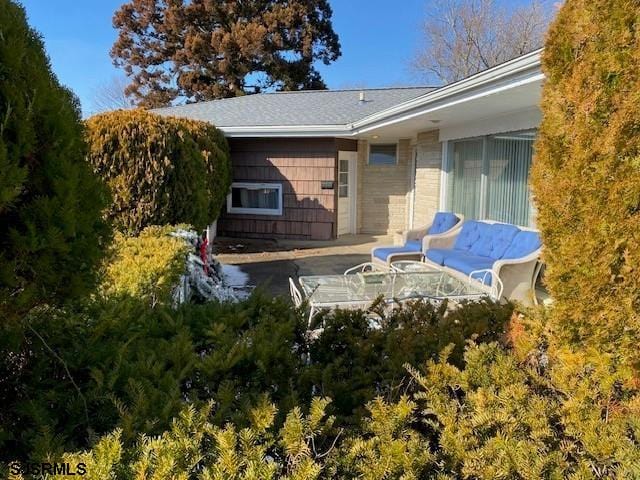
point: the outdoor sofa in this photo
(485, 251)
(413, 243)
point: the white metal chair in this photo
(366, 267)
(298, 300)
(496, 287)
(296, 296)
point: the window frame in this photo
(397, 148)
(251, 210)
(448, 159)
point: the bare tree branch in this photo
(463, 37)
(111, 96)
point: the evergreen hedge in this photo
(51, 228)
(161, 170)
(586, 174)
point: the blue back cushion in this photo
(442, 222)
(468, 235)
(523, 244)
(495, 239)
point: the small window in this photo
(383, 154)
(255, 198)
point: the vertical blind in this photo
(488, 177)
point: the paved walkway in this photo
(270, 263)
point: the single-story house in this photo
(321, 164)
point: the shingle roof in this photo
(311, 107)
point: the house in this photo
(320, 164)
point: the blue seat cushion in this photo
(494, 239)
(412, 246)
(437, 255)
(467, 263)
(468, 235)
(523, 244)
(442, 222)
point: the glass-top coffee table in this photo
(359, 290)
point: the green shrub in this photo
(51, 229)
(586, 174)
(161, 170)
(137, 366)
(355, 360)
(146, 267)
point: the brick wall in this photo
(428, 172)
(382, 191)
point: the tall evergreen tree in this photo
(206, 49)
(51, 228)
(586, 174)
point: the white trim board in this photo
(523, 120)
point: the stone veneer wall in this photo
(428, 174)
(382, 191)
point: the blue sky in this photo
(378, 42)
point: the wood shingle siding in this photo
(300, 165)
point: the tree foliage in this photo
(207, 49)
(161, 170)
(51, 229)
(463, 37)
(586, 174)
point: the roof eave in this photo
(519, 71)
(288, 131)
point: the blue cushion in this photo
(442, 222)
(523, 244)
(467, 263)
(437, 255)
(468, 235)
(414, 246)
(494, 239)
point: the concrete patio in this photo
(270, 263)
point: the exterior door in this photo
(346, 192)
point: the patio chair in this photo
(298, 300)
(366, 267)
(296, 296)
(415, 242)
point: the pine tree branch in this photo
(64, 364)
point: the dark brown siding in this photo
(300, 165)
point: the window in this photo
(487, 178)
(343, 179)
(383, 154)
(255, 198)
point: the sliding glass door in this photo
(487, 177)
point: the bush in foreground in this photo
(135, 367)
(52, 233)
(586, 174)
(161, 170)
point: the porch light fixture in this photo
(375, 137)
(435, 121)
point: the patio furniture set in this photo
(450, 259)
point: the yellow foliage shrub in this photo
(161, 170)
(586, 174)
